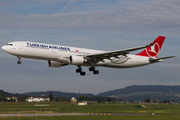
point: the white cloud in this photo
(162, 17)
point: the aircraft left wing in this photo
(107, 55)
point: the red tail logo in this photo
(154, 50)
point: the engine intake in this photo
(76, 60)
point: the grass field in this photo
(159, 117)
(162, 111)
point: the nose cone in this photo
(3, 48)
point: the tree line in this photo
(12, 99)
(61, 98)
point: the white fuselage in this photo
(61, 54)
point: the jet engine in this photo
(76, 60)
(54, 64)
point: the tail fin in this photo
(153, 50)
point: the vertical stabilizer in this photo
(153, 50)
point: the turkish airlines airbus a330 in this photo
(58, 55)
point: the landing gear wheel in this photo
(96, 72)
(78, 70)
(19, 58)
(19, 62)
(91, 69)
(82, 73)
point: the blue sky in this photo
(96, 24)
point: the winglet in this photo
(154, 48)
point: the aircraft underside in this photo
(111, 63)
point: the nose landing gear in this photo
(19, 60)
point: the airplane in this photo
(58, 55)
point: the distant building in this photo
(38, 99)
(73, 99)
(154, 101)
(82, 103)
(12, 97)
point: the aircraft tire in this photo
(91, 69)
(78, 70)
(19, 62)
(82, 73)
(96, 72)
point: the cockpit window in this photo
(9, 44)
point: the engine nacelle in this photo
(54, 64)
(76, 60)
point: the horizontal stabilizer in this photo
(151, 60)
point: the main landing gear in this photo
(80, 70)
(82, 73)
(94, 70)
(19, 60)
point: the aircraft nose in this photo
(4, 48)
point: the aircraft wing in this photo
(108, 54)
